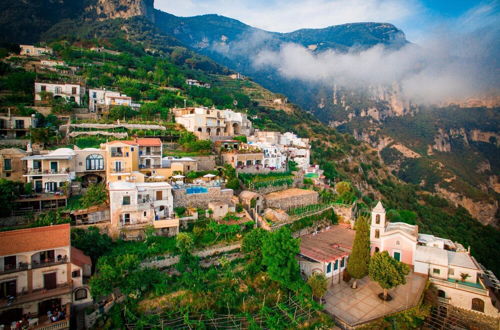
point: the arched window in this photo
(377, 250)
(81, 294)
(95, 162)
(377, 233)
(477, 305)
(377, 219)
(441, 294)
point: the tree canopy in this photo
(387, 271)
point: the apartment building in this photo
(90, 165)
(213, 124)
(137, 205)
(71, 92)
(51, 171)
(122, 160)
(12, 165)
(41, 274)
(150, 152)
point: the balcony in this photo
(39, 172)
(50, 262)
(151, 153)
(14, 268)
(116, 154)
(36, 295)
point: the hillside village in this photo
(142, 193)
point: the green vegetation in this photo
(387, 271)
(318, 284)
(258, 181)
(357, 265)
(96, 194)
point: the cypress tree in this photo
(357, 265)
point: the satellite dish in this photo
(235, 103)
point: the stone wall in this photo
(476, 320)
(214, 194)
(344, 212)
(205, 163)
(292, 200)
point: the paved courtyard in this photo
(356, 306)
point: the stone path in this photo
(361, 305)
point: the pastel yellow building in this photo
(122, 160)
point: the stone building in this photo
(13, 127)
(12, 165)
(291, 198)
(213, 123)
(40, 271)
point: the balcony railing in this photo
(49, 262)
(116, 154)
(151, 153)
(460, 285)
(15, 268)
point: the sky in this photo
(415, 17)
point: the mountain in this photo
(378, 114)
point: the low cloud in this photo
(453, 64)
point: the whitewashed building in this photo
(71, 92)
(135, 206)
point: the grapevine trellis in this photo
(290, 311)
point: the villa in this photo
(71, 92)
(461, 281)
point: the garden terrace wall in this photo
(201, 200)
(290, 198)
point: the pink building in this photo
(398, 238)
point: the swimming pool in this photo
(196, 190)
(311, 175)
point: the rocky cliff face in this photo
(110, 9)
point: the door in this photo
(38, 186)
(159, 195)
(148, 163)
(53, 167)
(118, 166)
(50, 281)
(397, 256)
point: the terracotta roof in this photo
(148, 142)
(328, 245)
(79, 258)
(34, 239)
(132, 143)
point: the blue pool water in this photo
(196, 190)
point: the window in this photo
(436, 271)
(73, 90)
(19, 124)
(126, 200)
(329, 267)
(43, 88)
(8, 288)
(451, 271)
(75, 273)
(398, 243)
(441, 294)
(145, 213)
(377, 219)
(81, 294)
(377, 233)
(95, 162)
(7, 165)
(477, 305)
(336, 265)
(342, 262)
(94, 95)
(126, 218)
